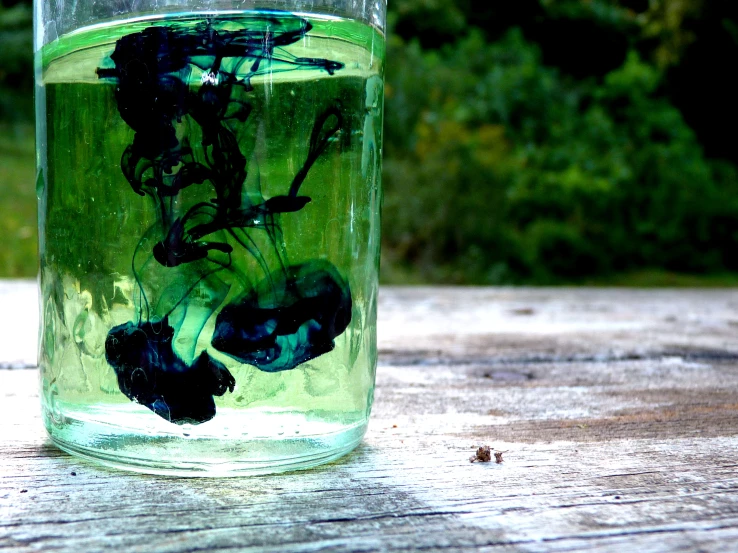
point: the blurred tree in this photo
(503, 169)
(701, 84)
(664, 29)
(432, 22)
(16, 61)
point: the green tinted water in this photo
(98, 236)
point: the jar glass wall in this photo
(209, 194)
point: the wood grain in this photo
(617, 409)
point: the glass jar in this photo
(209, 195)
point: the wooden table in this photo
(618, 410)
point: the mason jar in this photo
(209, 205)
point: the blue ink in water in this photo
(152, 374)
(297, 311)
(285, 324)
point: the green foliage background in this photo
(548, 142)
(536, 141)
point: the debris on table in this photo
(483, 455)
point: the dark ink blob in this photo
(152, 374)
(282, 324)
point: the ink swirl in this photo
(182, 89)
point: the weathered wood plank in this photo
(618, 410)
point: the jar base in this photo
(192, 452)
